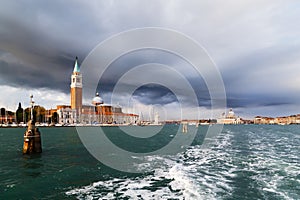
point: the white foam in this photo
(180, 185)
(272, 164)
(205, 172)
(11, 185)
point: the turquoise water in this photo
(242, 162)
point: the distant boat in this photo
(282, 123)
(42, 124)
(204, 123)
(14, 124)
(5, 125)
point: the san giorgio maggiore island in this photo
(75, 114)
(99, 113)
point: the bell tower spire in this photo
(76, 66)
(76, 88)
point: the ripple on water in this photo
(255, 161)
(178, 178)
(162, 184)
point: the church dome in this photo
(97, 100)
(231, 114)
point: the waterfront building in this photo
(265, 120)
(257, 120)
(66, 114)
(95, 113)
(113, 114)
(298, 119)
(285, 120)
(230, 118)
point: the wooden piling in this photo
(32, 139)
(184, 127)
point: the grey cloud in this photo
(252, 43)
(154, 95)
(260, 77)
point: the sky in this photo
(254, 44)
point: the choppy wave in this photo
(240, 163)
(171, 181)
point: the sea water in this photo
(241, 162)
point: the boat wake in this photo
(254, 163)
(188, 175)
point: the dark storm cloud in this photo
(156, 94)
(46, 36)
(18, 75)
(41, 41)
(254, 44)
(263, 80)
(152, 94)
(244, 101)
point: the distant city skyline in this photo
(254, 44)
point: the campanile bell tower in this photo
(76, 89)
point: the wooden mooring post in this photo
(184, 127)
(32, 139)
(32, 136)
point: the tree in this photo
(39, 113)
(19, 114)
(2, 112)
(27, 114)
(10, 116)
(55, 118)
